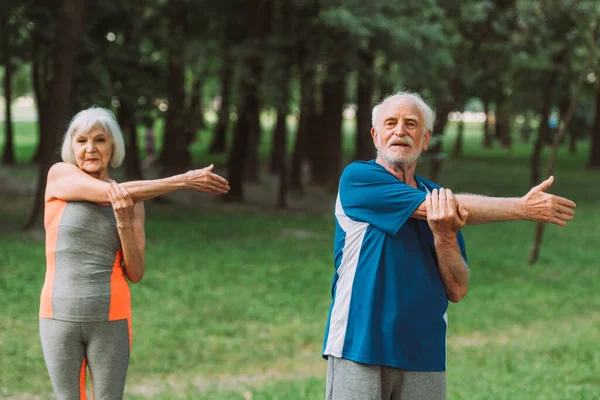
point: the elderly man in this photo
(399, 258)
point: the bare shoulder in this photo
(61, 168)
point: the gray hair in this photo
(416, 99)
(87, 120)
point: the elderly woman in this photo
(94, 243)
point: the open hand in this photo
(540, 206)
(443, 215)
(204, 180)
(122, 204)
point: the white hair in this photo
(415, 98)
(87, 120)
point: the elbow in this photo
(457, 294)
(135, 278)
(134, 275)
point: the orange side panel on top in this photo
(120, 297)
(82, 395)
(53, 212)
(130, 333)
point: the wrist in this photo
(444, 237)
(124, 226)
(181, 181)
(520, 209)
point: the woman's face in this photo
(93, 150)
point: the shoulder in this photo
(428, 184)
(361, 169)
(61, 168)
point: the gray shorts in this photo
(349, 380)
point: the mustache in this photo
(401, 140)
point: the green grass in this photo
(235, 300)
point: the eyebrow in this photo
(409, 117)
(88, 134)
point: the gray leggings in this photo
(348, 380)
(103, 346)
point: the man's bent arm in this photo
(452, 266)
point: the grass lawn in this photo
(235, 299)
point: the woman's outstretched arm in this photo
(67, 182)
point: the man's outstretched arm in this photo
(535, 206)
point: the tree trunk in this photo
(306, 121)
(8, 155)
(562, 128)
(366, 82)
(458, 145)
(69, 25)
(258, 15)
(328, 157)
(385, 80)
(40, 79)
(503, 123)
(176, 156)
(127, 121)
(219, 141)
(279, 133)
(254, 133)
(194, 113)
(544, 129)
(442, 109)
(487, 135)
(133, 169)
(594, 161)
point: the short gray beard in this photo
(395, 161)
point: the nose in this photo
(399, 130)
(90, 147)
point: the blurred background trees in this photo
(181, 67)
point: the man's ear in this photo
(374, 136)
(426, 140)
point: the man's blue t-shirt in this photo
(389, 302)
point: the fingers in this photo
(545, 185)
(558, 222)
(435, 200)
(119, 196)
(124, 195)
(209, 168)
(112, 196)
(463, 214)
(565, 202)
(450, 200)
(222, 181)
(429, 206)
(565, 210)
(443, 207)
(213, 188)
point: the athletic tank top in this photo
(84, 281)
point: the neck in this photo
(102, 175)
(404, 172)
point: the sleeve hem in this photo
(415, 204)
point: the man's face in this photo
(400, 135)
